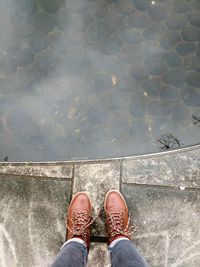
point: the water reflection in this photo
(196, 119)
(93, 79)
(168, 141)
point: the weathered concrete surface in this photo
(97, 179)
(99, 255)
(170, 169)
(38, 170)
(32, 213)
(33, 207)
(168, 223)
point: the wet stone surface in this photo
(171, 59)
(75, 66)
(169, 39)
(181, 6)
(169, 94)
(152, 86)
(181, 115)
(51, 6)
(46, 61)
(111, 46)
(141, 5)
(184, 48)
(153, 31)
(8, 64)
(175, 78)
(157, 12)
(137, 72)
(155, 66)
(192, 63)
(191, 96)
(193, 79)
(138, 108)
(131, 36)
(176, 22)
(139, 127)
(160, 109)
(138, 21)
(194, 18)
(44, 22)
(191, 34)
(25, 56)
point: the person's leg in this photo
(122, 251)
(124, 254)
(74, 252)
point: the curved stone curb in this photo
(37, 170)
(175, 168)
(179, 170)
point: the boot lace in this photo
(80, 224)
(115, 225)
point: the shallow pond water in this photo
(94, 79)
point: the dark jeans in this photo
(123, 254)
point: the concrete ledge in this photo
(97, 179)
(44, 164)
(37, 170)
(98, 256)
(35, 198)
(32, 216)
(180, 169)
(175, 168)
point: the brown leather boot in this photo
(79, 218)
(117, 216)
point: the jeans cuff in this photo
(110, 247)
(78, 240)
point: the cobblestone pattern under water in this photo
(89, 79)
